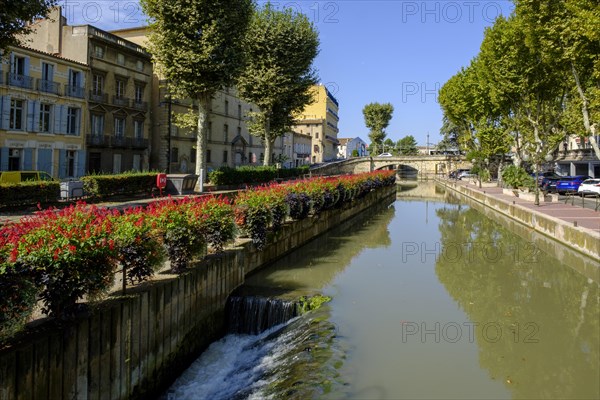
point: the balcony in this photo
(120, 101)
(48, 86)
(18, 80)
(74, 91)
(576, 155)
(140, 105)
(139, 143)
(98, 97)
(120, 141)
(97, 141)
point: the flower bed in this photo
(60, 256)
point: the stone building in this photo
(576, 156)
(43, 110)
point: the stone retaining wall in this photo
(135, 345)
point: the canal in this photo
(430, 299)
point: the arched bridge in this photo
(405, 165)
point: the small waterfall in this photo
(253, 314)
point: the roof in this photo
(49, 54)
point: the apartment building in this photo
(320, 121)
(118, 89)
(296, 149)
(575, 156)
(348, 145)
(228, 143)
(43, 110)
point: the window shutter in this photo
(28, 159)
(80, 163)
(63, 119)
(26, 67)
(30, 107)
(44, 160)
(5, 109)
(62, 163)
(4, 159)
(12, 63)
(56, 116)
(36, 116)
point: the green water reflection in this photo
(435, 300)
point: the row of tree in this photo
(201, 46)
(535, 81)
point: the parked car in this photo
(466, 175)
(24, 176)
(589, 186)
(570, 183)
(549, 184)
(454, 174)
(385, 155)
(544, 175)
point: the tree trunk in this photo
(202, 133)
(590, 129)
(268, 142)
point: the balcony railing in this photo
(576, 154)
(139, 143)
(120, 141)
(48, 86)
(120, 101)
(18, 80)
(98, 97)
(74, 91)
(97, 140)
(140, 105)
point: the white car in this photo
(385, 155)
(589, 186)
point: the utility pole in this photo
(427, 144)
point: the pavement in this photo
(571, 212)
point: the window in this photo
(70, 163)
(45, 110)
(97, 84)
(72, 121)
(120, 88)
(139, 93)
(208, 156)
(97, 124)
(16, 114)
(99, 51)
(74, 78)
(138, 129)
(226, 107)
(262, 157)
(224, 156)
(250, 156)
(316, 135)
(174, 154)
(14, 159)
(47, 72)
(239, 131)
(18, 65)
(226, 132)
(250, 140)
(193, 155)
(120, 59)
(239, 111)
(139, 65)
(119, 126)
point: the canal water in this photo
(430, 300)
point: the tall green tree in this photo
(377, 118)
(407, 146)
(14, 15)
(198, 47)
(280, 48)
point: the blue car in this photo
(570, 183)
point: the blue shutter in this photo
(78, 122)
(28, 159)
(12, 62)
(26, 67)
(36, 116)
(62, 164)
(44, 160)
(30, 107)
(80, 163)
(4, 122)
(63, 119)
(4, 159)
(57, 123)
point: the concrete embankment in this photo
(135, 345)
(558, 221)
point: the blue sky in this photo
(393, 51)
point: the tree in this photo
(198, 47)
(407, 146)
(389, 145)
(14, 17)
(377, 118)
(280, 48)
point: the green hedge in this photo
(127, 183)
(248, 174)
(29, 193)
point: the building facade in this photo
(117, 88)
(320, 120)
(576, 156)
(228, 143)
(348, 145)
(43, 110)
(296, 148)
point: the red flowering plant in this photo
(139, 251)
(69, 253)
(253, 215)
(218, 221)
(176, 223)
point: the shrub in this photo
(253, 215)
(29, 192)
(252, 175)
(219, 223)
(126, 183)
(517, 177)
(18, 296)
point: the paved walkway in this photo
(583, 217)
